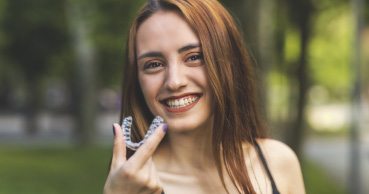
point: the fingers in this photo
(148, 148)
(137, 172)
(119, 148)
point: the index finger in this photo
(119, 148)
(143, 153)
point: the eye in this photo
(195, 57)
(152, 65)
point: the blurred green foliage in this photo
(35, 34)
(36, 43)
(330, 52)
(111, 22)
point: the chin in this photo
(188, 124)
(179, 127)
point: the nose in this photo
(175, 77)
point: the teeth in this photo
(178, 103)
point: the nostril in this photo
(175, 84)
(175, 78)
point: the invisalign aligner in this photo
(126, 126)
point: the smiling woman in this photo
(171, 71)
(186, 63)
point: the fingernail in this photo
(113, 129)
(165, 128)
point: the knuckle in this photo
(153, 186)
(127, 174)
(150, 146)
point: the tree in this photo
(301, 13)
(34, 36)
(83, 82)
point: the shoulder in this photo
(284, 165)
(278, 151)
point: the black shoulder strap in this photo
(262, 158)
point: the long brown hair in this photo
(231, 79)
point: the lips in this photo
(181, 103)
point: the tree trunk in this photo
(32, 107)
(84, 81)
(279, 119)
(266, 52)
(355, 175)
(295, 136)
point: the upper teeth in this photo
(176, 103)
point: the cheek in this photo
(202, 78)
(150, 86)
(146, 90)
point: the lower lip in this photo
(182, 109)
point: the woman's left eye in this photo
(195, 57)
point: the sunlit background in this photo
(61, 71)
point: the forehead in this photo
(162, 31)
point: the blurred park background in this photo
(61, 70)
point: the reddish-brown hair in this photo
(231, 79)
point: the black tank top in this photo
(262, 158)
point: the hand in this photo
(137, 175)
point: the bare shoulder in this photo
(278, 151)
(284, 166)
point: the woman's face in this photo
(172, 73)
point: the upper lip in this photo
(180, 96)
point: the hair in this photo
(231, 79)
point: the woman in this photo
(186, 62)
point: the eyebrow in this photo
(150, 54)
(188, 47)
(159, 54)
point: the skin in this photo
(170, 65)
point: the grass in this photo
(53, 170)
(83, 171)
(317, 181)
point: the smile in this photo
(181, 104)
